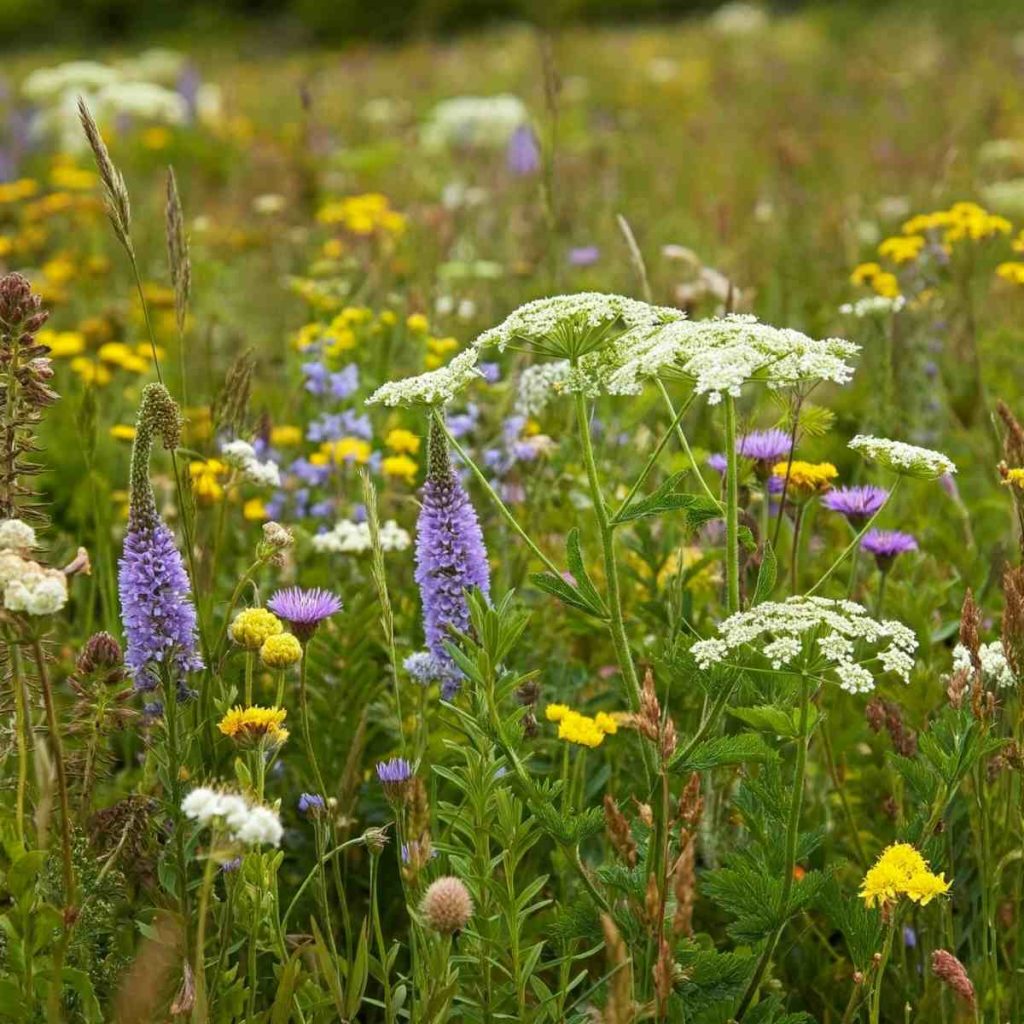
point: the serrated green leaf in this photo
(721, 750)
(766, 574)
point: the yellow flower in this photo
(401, 466)
(253, 626)
(556, 712)
(581, 730)
(608, 724)
(1011, 271)
(254, 510)
(865, 273)
(901, 871)
(417, 323)
(15, 191)
(814, 477)
(333, 248)
(350, 449)
(363, 215)
(205, 479)
(1014, 477)
(123, 432)
(284, 436)
(402, 441)
(62, 343)
(704, 580)
(901, 248)
(253, 724)
(885, 284)
(280, 651)
(73, 179)
(156, 137)
(90, 372)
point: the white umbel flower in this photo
(435, 387)
(994, 667)
(242, 456)
(350, 538)
(905, 459)
(817, 636)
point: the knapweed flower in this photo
(857, 504)
(816, 636)
(311, 804)
(886, 545)
(393, 775)
(254, 724)
(281, 650)
(807, 478)
(450, 553)
(252, 626)
(447, 905)
(156, 603)
(251, 824)
(304, 610)
(901, 871)
(764, 446)
(902, 458)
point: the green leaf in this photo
(720, 750)
(358, 974)
(766, 575)
(697, 508)
(773, 719)
(566, 593)
(281, 1011)
(574, 557)
(24, 871)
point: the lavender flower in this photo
(885, 545)
(156, 604)
(523, 154)
(304, 610)
(450, 553)
(858, 504)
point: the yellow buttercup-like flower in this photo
(402, 442)
(865, 273)
(281, 650)
(885, 284)
(62, 344)
(285, 435)
(1012, 271)
(254, 510)
(253, 626)
(812, 477)
(123, 432)
(901, 871)
(556, 712)
(901, 248)
(400, 466)
(253, 724)
(581, 729)
(350, 449)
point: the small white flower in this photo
(49, 595)
(994, 666)
(16, 535)
(201, 804)
(902, 458)
(242, 456)
(261, 826)
(351, 538)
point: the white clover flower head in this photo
(261, 827)
(16, 535)
(720, 355)
(251, 824)
(242, 456)
(817, 636)
(995, 668)
(905, 459)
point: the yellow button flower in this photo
(252, 627)
(901, 871)
(280, 651)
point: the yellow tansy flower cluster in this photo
(253, 626)
(367, 214)
(901, 871)
(253, 724)
(581, 729)
(961, 222)
(812, 477)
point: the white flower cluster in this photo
(902, 458)
(27, 586)
(242, 456)
(435, 387)
(994, 666)
(474, 121)
(873, 305)
(815, 635)
(350, 538)
(537, 383)
(251, 824)
(722, 354)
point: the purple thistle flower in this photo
(717, 462)
(858, 504)
(523, 154)
(765, 445)
(450, 553)
(304, 610)
(156, 601)
(885, 545)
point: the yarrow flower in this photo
(156, 602)
(816, 636)
(450, 553)
(901, 871)
(886, 545)
(304, 610)
(281, 650)
(255, 724)
(902, 458)
(252, 626)
(857, 504)
(250, 824)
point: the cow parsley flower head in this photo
(435, 387)
(817, 636)
(994, 666)
(902, 458)
(720, 355)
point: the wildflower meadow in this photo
(516, 526)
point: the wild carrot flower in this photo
(281, 650)
(304, 610)
(252, 626)
(450, 553)
(900, 457)
(901, 871)
(156, 604)
(253, 724)
(857, 504)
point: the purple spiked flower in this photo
(450, 555)
(303, 609)
(885, 545)
(156, 603)
(523, 154)
(765, 445)
(858, 504)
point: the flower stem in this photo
(684, 444)
(876, 994)
(732, 544)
